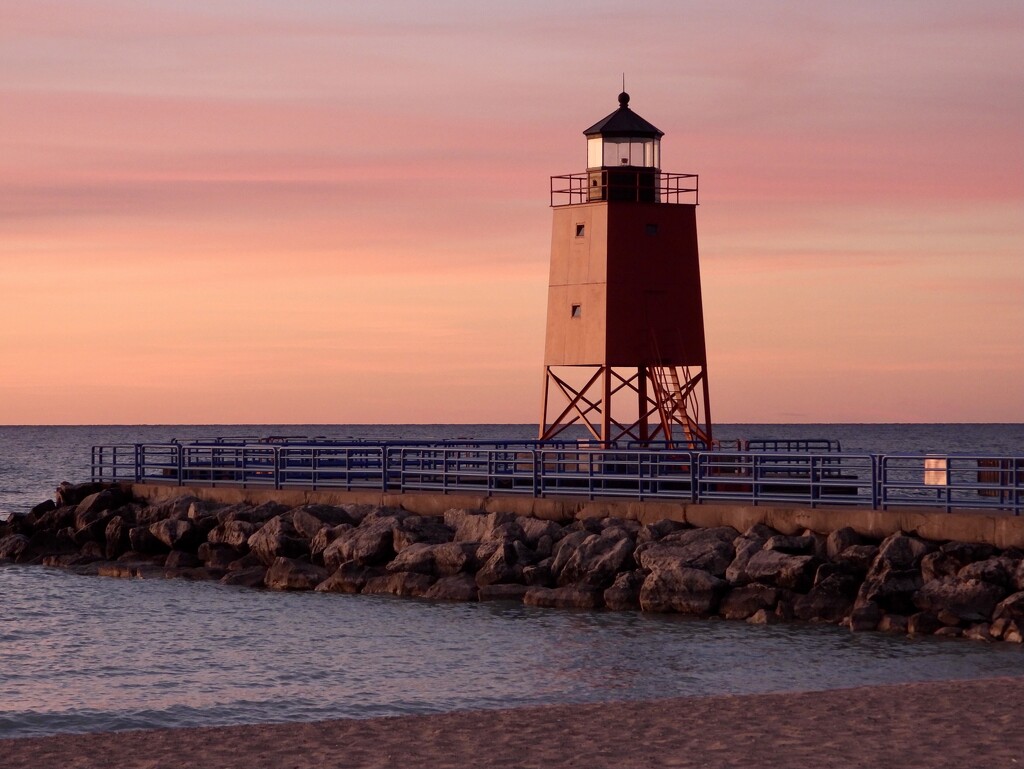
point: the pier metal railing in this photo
(808, 476)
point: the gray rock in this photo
(233, 533)
(474, 526)
(323, 539)
(745, 547)
(969, 600)
(564, 549)
(858, 557)
(1010, 608)
(534, 529)
(840, 539)
(457, 587)
(252, 576)
(597, 561)
(676, 588)
(277, 538)
(709, 550)
(176, 534)
(764, 617)
(652, 532)
(399, 583)
(418, 557)
(865, 616)
(115, 537)
(180, 559)
(371, 543)
(349, 577)
(290, 574)
(624, 594)
(306, 524)
(792, 545)
(143, 541)
(216, 556)
(502, 567)
(996, 570)
(901, 552)
(746, 601)
(773, 567)
(421, 529)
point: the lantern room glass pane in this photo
(594, 152)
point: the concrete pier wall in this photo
(1002, 531)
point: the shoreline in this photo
(933, 724)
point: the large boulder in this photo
(565, 547)
(652, 532)
(831, 597)
(324, 538)
(290, 574)
(277, 538)
(968, 600)
(840, 539)
(182, 559)
(399, 583)
(745, 601)
(598, 559)
(672, 587)
(215, 556)
(115, 537)
(536, 529)
(793, 545)
(624, 593)
(474, 526)
(951, 557)
(252, 576)
(177, 534)
(709, 550)
(744, 547)
(233, 533)
(12, 546)
(143, 540)
(774, 567)
(998, 570)
(349, 577)
(305, 523)
(502, 567)
(457, 587)
(371, 543)
(1010, 608)
(900, 551)
(418, 557)
(857, 557)
(418, 529)
(73, 494)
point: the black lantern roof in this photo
(624, 122)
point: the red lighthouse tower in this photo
(624, 353)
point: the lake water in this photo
(89, 654)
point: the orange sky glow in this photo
(337, 212)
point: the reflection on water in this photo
(87, 654)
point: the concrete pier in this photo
(1002, 531)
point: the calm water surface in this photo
(89, 654)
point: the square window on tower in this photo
(580, 230)
(577, 312)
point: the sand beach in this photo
(939, 724)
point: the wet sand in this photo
(945, 724)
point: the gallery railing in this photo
(814, 479)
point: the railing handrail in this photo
(880, 481)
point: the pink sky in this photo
(338, 212)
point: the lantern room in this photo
(623, 156)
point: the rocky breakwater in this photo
(900, 584)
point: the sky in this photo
(337, 212)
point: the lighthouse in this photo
(624, 352)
